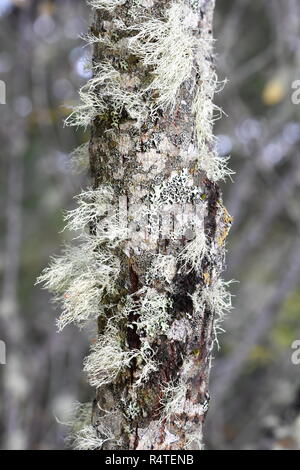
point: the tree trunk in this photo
(159, 150)
(149, 266)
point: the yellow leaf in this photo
(273, 92)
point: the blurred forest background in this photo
(255, 387)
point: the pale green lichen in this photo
(83, 435)
(80, 279)
(192, 255)
(173, 399)
(131, 409)
(86, 273)
(217, 298)
(109, 5)
(163, 268)
(206, 112)
(146, 364)
(107, 358)
(152, 309)
(97, 210)
(107, 92)
(168, 47)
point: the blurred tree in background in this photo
(255, 387)
(43, 64)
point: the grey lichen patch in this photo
(162, 270)
(131, 409)
(153, 312)
(195, 4)
(179, 330)
(151, 161)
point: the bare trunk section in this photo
(158, 150)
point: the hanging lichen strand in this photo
(147, 261)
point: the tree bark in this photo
(136, 157)
(157, 152)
